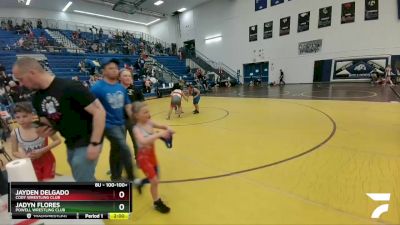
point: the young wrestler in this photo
(33, 146)
(146, 158)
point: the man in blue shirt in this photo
(116, 101)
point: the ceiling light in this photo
(214, 38)
(109, 17)
(181, 9)
(67, 6)
(158, 2)
(153, 21)
(28, 2)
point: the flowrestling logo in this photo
(379, 197)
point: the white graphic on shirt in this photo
(116, 100)
(49, 105)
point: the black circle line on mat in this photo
(191, 124)
(333, 131)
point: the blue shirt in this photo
(114, 98)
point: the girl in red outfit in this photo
(146, 157)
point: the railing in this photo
(67, 25)
(215, 65)
(166, 74)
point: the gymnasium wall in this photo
(27, 12)
(166, 30)
(232, 19)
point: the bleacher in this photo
(176, 65)
(7, 59)
(66, 65)
(8, 38)
(85, 35)
(38, 33)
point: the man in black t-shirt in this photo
(68, 107)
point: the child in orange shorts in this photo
(146, 157)
(34, 147)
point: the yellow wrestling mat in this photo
(270, 161)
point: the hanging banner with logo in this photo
(310, 47)
(268, 29)
(253, 33)
(276, 2)
(348, 12)
(260, 4)
(359, 68)
(303, 22)
(285, 26)
(325, 17)
(371, 9)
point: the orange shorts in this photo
(45, 166)
(147, 162)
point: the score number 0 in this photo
(121, 206)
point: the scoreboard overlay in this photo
(70, 200)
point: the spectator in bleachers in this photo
(10, 25)
(153, 81)
(180, 55)
(43, 40)
(13, 91)
(82, 66)
(128, 67)
(147, 85)
(91, 30)
(31, 35)
(4, 79)
(23, 24)
(92, 80)
(3, 96)
(100, 33)
(3, 25)
(26, 30)
(74, 35)
(95, 31)
(30, 25)
(18, 29)
(39, 24)
(20, 42)
(142, 61)
(2, 72)
(94, 47)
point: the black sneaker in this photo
(196, 112)
(161, 207)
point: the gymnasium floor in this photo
(248, 159)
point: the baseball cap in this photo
(106, 61)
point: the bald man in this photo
(68, 107)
